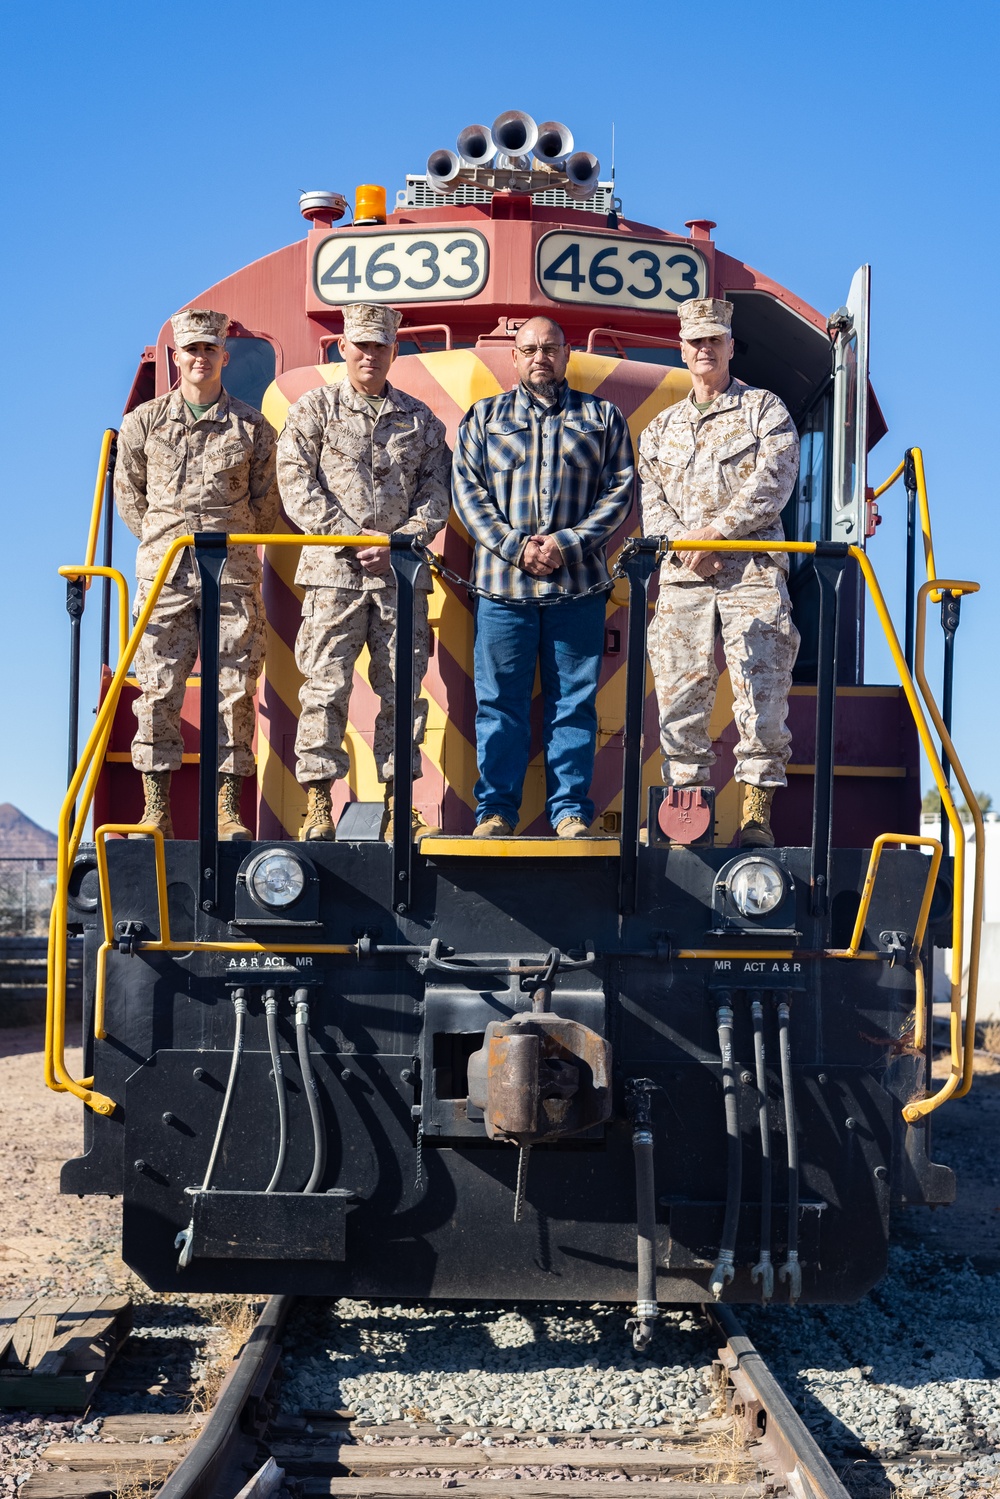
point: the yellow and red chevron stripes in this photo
(450, 382)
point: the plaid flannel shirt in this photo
(521, 469)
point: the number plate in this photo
(400, 266)
(615, 270)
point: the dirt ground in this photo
(69, 1244)
(48, 1242)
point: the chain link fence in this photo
(26, 887)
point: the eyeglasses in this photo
(530, 350)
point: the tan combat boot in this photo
(755, 823)
(416, 821)
(232, 828)
(318, 824)
(156, 790)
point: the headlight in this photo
(755, 886)
(276, 880)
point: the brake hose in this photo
(791, 1270)
(271, 1011)
(185, 1239)
(763, 1271)
(639, 1097)
(309, 1084)
(724, 1270)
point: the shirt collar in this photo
(729, 398)
(527, 401)
(180, 411)
(354, 400)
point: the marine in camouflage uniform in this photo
(181, 470)
(721, 468)
(354, 461)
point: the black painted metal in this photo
(951, 616)
(910, 483)
(829, 561)
(639, 567)
(109, 523)
(389, 1032)
(196, 1474)
(406, 566)
(210, 556)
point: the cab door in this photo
(849, 328)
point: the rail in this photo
(764, 1422)
(72, 821)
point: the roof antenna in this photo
(615, 205)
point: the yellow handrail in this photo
(57, 1075)
(946, 585)
(888, 483)
(882, 841)
(88, 571)
(97, 507)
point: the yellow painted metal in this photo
(771, 955)
(88, 571)
(883, 772)
(910, 840)
(98, 505)
(57, 1075)
(888, 483)
(961, 1064)
(434, 844)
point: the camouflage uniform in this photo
(342, 471)
(174, 476)
(732, 468)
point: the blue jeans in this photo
(567, 640)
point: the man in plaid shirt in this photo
(542, 477)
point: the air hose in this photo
(185, 1239)
(639, 1091)
(724, 1270)
(763, 1271)
(271, 1011)
(791, 1270)
(311, 1092)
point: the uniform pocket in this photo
(229, 469)
(736, 459)
(342, 443)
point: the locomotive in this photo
(643, 1066)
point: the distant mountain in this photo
(20, 838)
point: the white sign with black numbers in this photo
(401, 266)
(615, 270)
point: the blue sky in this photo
(151, 150)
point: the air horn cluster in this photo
(515, 155)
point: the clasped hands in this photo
(541, 556)
(704, 564)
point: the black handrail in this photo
(405, 566)
(829, 561)
(109, 523)
(639, 566)
(210, 556)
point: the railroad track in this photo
(757, 1445)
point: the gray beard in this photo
(545, 390)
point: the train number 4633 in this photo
(619, 271)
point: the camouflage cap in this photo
(364, 323)
(195, 325)
(705, 317)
